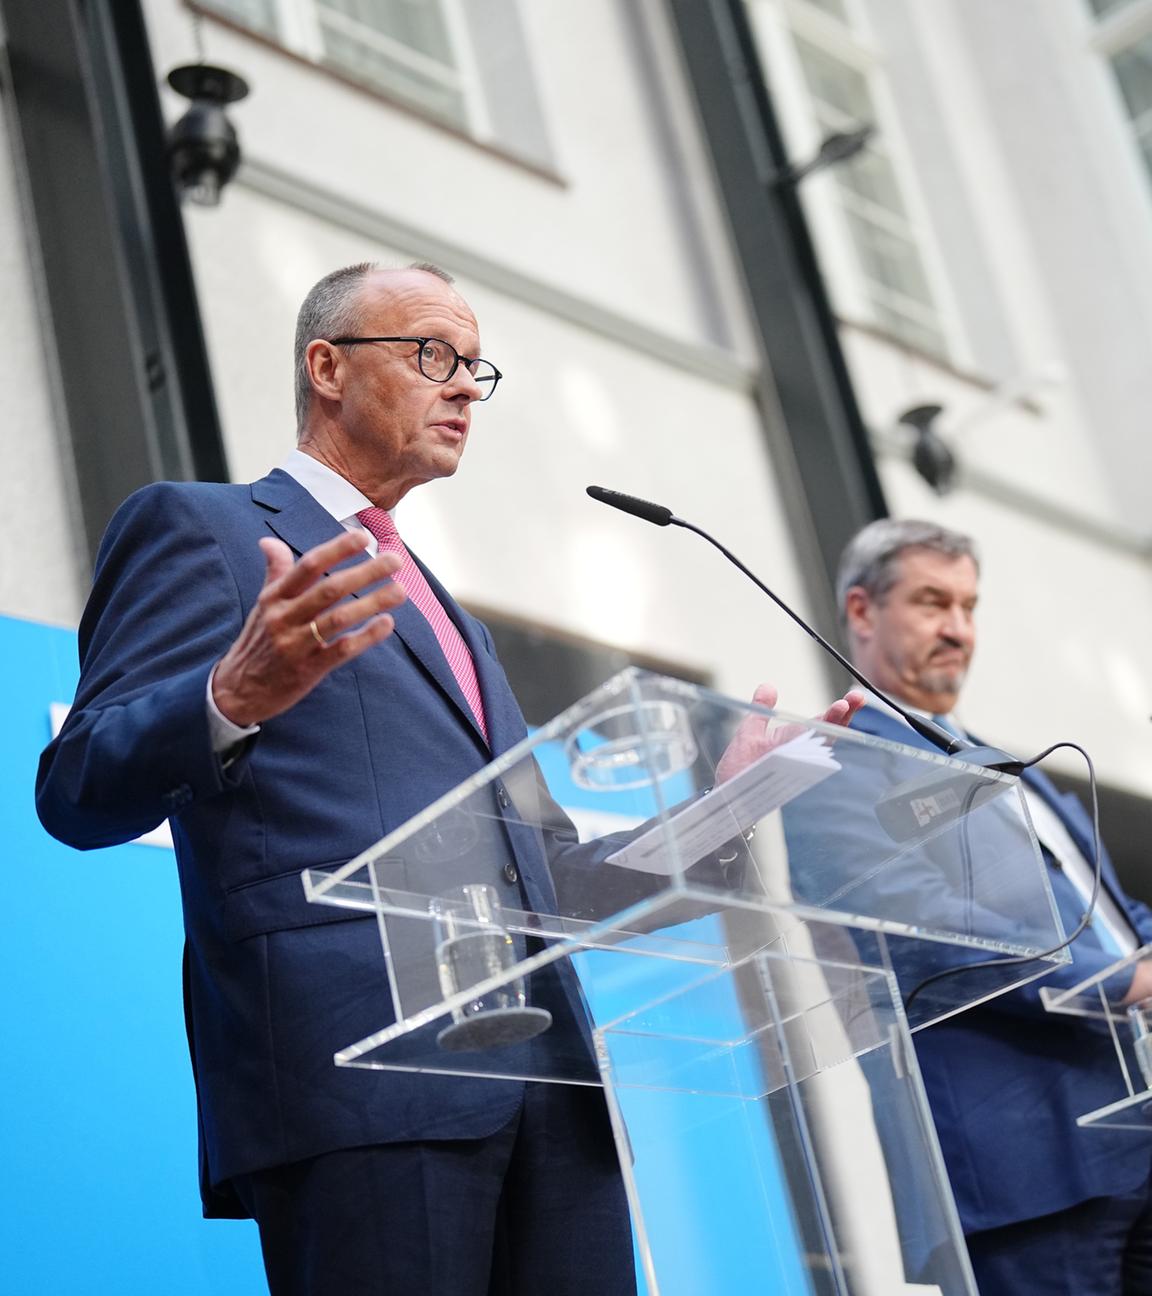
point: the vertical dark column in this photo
(125, 322)
(806, 387)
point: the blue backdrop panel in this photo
(718, 1205)
(97, 1113)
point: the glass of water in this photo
(472, 945)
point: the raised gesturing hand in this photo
(303, 626)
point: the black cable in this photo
(1016, 959)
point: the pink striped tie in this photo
(420, 593)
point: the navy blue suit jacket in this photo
(1007, 1080)
(274, 985)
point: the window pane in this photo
(835, 85)
(399, 46)
(260, 15)
(894, 279)
(870, 176)
(914, 331)
(834, 7)
(1143, 133)
(376, 69)
(1101, 7)
(419, 24)
(1134, 72)
(889, 259)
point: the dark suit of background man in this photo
(246, 674)
(1047, 1207)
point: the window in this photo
(1133, 68)
(1102, 7)
(1125, 39)
(833, 7)
(463, 63)
(895, 283)
(402, 46)
(258, 14)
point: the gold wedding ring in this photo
(317, 635)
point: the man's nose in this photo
(958, 626)
(462, 386)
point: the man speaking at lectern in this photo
(1048, 1208)
(246, 673)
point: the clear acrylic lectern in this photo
(715, 911)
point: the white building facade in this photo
(992, 254)
(989, 253)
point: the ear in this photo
(858, 612)
(326, 369)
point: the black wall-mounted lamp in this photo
(840, 146)
(203, 151)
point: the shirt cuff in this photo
(223, 732)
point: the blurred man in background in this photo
(1047, 1207)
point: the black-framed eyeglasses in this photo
(439, 360)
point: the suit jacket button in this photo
(503, 798)
(511, 872)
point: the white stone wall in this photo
(43, 574)
(1037, 225)
(1039, 214)
(580, 282)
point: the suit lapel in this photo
(1047, 791)
(501, 711)
(1081, 834)
(871, 720)
(295, 516)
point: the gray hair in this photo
(430, 267)
(871, 557)
(332, 309)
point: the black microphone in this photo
(654, 513)
(958, 748)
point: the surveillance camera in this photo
(931, 457)
(203, 152)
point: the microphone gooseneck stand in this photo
(961, 749)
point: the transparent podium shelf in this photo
(1130, 1030)
(653, 802)
(1088, 998)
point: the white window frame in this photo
(300, 30)
(1112, 35)
(828, 202)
